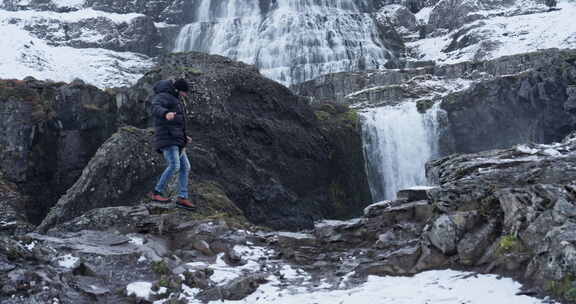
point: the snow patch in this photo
(141, 290)
(526, 149)
(442, 286)
(67, 261)
(137, 240)
(69, 3)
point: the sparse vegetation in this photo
(510, 244)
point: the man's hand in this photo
(170, 115)
(189, 139)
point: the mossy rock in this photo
(322, 116)
(424, 105)
(160, 268)
(214, 204)
(564, 288)
(18, 93)
(510, 244)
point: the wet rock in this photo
(414, 194)
(199, 278)
(399, 262)
(447, 230)
(203, 247)
(234, 290)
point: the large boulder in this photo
(120, 173)
(262, 143)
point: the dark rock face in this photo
(49, 133)
(531, 106)
(124, 169)
(13, 220)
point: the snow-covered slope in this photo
(524, 27)
(67, 39)
(24, 54)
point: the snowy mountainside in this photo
(111, 42)
(489, 32)
(104, 49)
(23, 55)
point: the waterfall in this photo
(292, 41)
(398, 141)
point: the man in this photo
(170, 139)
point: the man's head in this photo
(181, 85)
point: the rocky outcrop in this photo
(343, 87)
(49, 132)
(530, 106)
(520, 202)
(522, 98)
(113, 254)
(122, 171)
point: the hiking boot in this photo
(185, 203)
(155, 196)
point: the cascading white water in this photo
(398, 141)
(296, 40)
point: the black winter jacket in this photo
(168, 132)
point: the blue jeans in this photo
(177, 162)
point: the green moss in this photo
(130, 129)
(424, 105)
(509, 244)
(18, 93)
(322, 116)
(328, 107)
(160, 268)
(338, 198)
(92, 107)
(563, 288)
(184, 70)
(351, 118)
(570, 294)
(214, 203)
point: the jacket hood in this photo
(165, 86)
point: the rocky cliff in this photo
(49, 133)
(522, 98)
